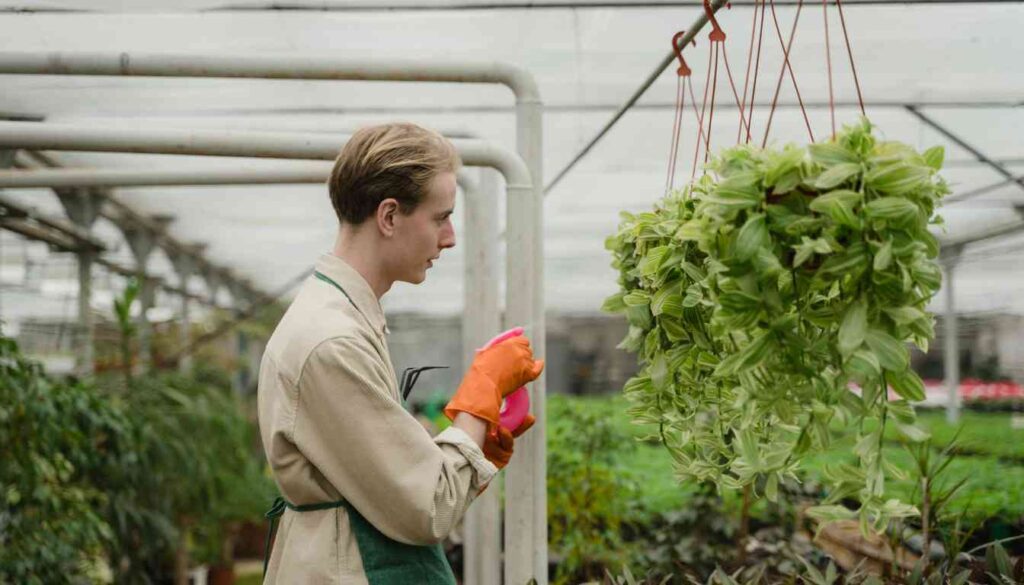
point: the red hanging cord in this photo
(746, 77)
(757, 68)
(711, 115)
(717, 38)
(703, 110)
(732, 85)
(828, 60)
(673, 148)
(682, 75)
(849, 50)
(696, 116)
(782, 74)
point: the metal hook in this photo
(684, 69)
(717, 34)
(411, 375)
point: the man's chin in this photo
(417, 278)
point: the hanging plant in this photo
(773, 298)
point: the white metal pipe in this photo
(308, 67)
(952, 343)
(184, 334)
(285, 145)
(85, 365)
(108, 177)
(526, 555)
(480, 321)
(526, 523)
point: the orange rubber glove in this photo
(495, 373)
(498, 443)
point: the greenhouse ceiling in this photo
(951, 61)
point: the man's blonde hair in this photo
(397, 161)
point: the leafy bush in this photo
(107, 471)
(590, 499)
(756, 295)
(192, 451)
(53, 438)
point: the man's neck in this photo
(363, 256)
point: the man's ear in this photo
(386, 212)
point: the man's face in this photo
(422, 235)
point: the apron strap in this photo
(277, 510)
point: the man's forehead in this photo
(442, 192)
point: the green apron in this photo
(385, 561)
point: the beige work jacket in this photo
(334, 428)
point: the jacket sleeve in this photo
(412, 488)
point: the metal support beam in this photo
(283, 145)
(966, 146)
(185, 267)
(399, 6)
(481, 319)
(58, 233)
(83, 207)
(951, 360)
(66, 177)
(956, 197)
(213, 280)
(311, 66)
(113, 209)
(954, 246)
(240, 380)
(143, 241)
(450, 6)
(66, 237)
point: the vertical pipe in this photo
(142, 242)
(242, 354)
(83, 207)
(85, 356)
(147, 293)
(481, 321)
(526, 528)
(952, 345)
(184, 338)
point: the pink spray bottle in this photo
(517, 404)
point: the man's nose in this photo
(448, 237)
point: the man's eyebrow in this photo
(445, 213)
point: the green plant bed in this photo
(645, 462)
(992, 490)
(980, 433)
(670, 527)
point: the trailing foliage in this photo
(100, 471)
(189, 467)
(758, 294)
(52, 435)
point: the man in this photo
(367, 494)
